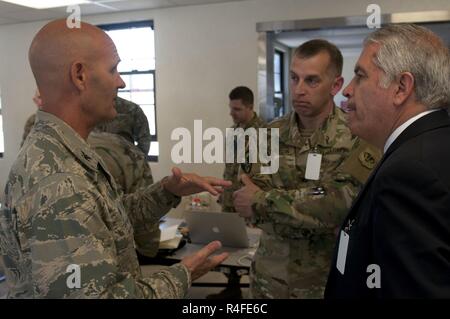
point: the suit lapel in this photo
(426, 123)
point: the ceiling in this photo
(342, 37)
(11, 13)
(349, 39)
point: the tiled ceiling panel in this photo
(10, 13)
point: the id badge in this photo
(342, 251)
(313, 163)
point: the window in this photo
(278, 89)
(2, 143)
(135, 43)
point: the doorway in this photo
(277, 40)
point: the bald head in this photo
(56, 47)
(76, 73)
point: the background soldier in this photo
(241, 111)
(131, 171)
(131, 123)
(30, 121)
(28, 126)
(322, 167)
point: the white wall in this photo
(202, 52)
(350, 59)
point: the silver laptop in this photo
(205, 227)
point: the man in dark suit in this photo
(395, 241)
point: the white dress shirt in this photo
(403, 127)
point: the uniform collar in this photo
(68, 137)
(255, 120)
(321, 137)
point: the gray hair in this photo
(414, 49)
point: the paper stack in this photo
(170, 236)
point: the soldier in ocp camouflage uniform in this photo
(32, 118)
(28, 126)
(241, 110)
(130, 170)
(299, 216)
(125, 161)
(62, 207)
(130, 122)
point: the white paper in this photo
(172, 243)
(168, 233)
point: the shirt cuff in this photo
(183, 275)
(168, 198)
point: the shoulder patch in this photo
(361, 161)
(279, 122)
(368, 158)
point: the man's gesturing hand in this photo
(201, 262)
(243, 198)
(182, 184)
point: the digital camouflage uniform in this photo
(299, 218)
(130, 122)
(130, 169)
(233, 170)
(63, 208)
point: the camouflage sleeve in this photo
(263, 181)
(67, 228)
(146, 235)
(144, 208)
(141, 131)
(148, 204)
(147, 174)
(226, 198)
(233, 171)
(303, 208)
(309, 208)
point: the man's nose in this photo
(121, 83)
(348, 90)
(299, 88)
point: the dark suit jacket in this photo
(401, 220)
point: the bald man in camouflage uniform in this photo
(299, 215)
(241, 111)
(130, 169)
(63, 210)
(130, 122)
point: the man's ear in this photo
(337, 85)
(78, 75)
(404, 88)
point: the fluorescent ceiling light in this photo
(45, 4)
